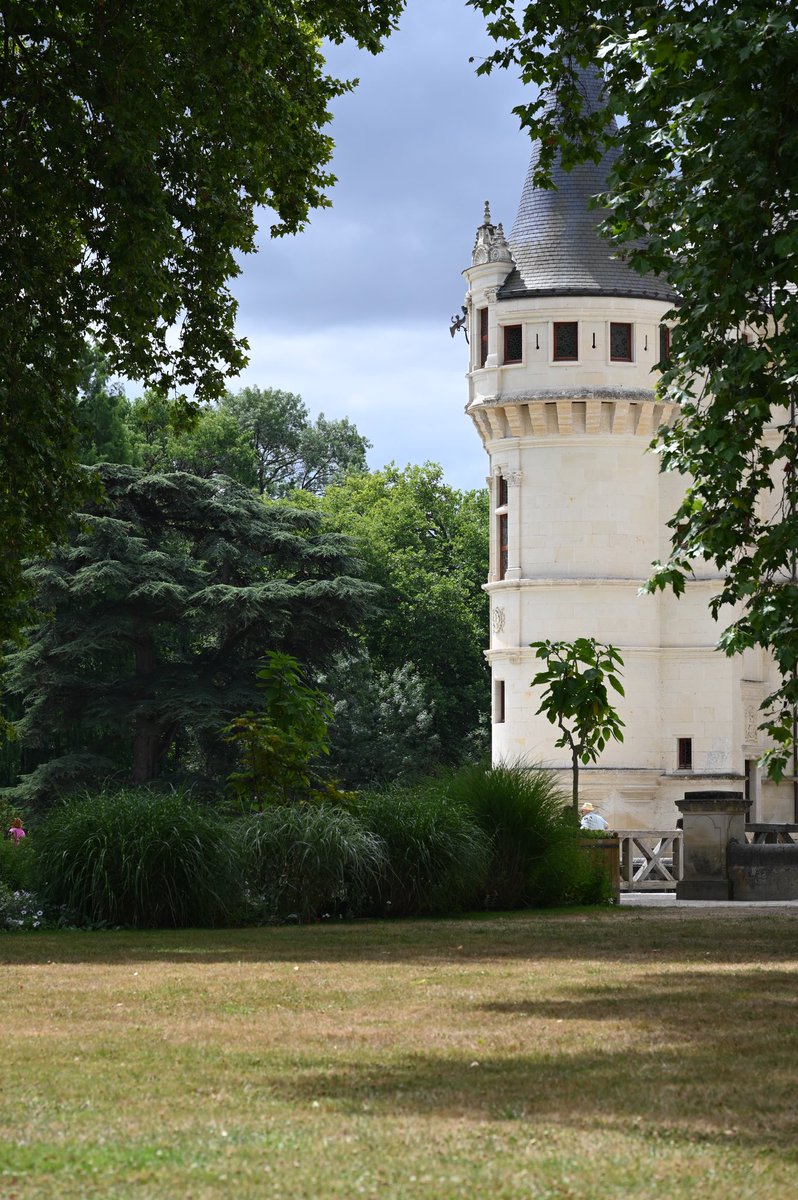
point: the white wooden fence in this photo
(651, 859)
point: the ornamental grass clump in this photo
(305, 860)
(138, 858)
(535, 856)
(437, 857)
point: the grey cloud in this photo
(419, 146)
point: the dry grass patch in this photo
(556, 1055)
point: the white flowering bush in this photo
(19, 910)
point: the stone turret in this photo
(556, 245)
(564, 343)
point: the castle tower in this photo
(564, 339)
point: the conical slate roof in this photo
(555, 242)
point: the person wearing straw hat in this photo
(590, 818)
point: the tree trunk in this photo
(575, 768)
(147, 734)
(146, 750)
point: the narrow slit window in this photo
(498, 702)
(620, 341)
(504, 548)
(513, 343)
(483, 336)
(566, 341)
(664, 344)
(502, 526)
(684, 754)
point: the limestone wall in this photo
(585, 516)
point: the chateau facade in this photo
(564, 341)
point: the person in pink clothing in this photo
(16, 832)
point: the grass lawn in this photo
(624, 1052)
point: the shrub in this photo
(569, 876)
(138, 858)
(16, 863)
(279, 747)
(437, 857)
(382, 728)
(306, 859)
(534, 838)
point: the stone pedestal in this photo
(711, 821)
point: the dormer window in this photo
(566, 341)
(513, 343)
(620, 341)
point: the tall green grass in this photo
(436, 856)
(307, 859)
(535, 856)
(498, 838)
(138, 858)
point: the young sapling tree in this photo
(576, 697)
(279, 748)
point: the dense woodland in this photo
(212, 538)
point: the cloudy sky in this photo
(354, 313)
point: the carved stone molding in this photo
(498, 619)
(565, 417)
(513, 478)
(637, 395)
(751, 726)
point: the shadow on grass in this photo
(697, 1050)
(613, 935)
(701, 1058)
(740, 999)
(682, 1096)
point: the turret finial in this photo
(491, 244)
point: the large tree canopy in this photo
(102, 414)
(154, 615)
(703, 192)
(426, 545)
(137, 140)
(263, 438)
